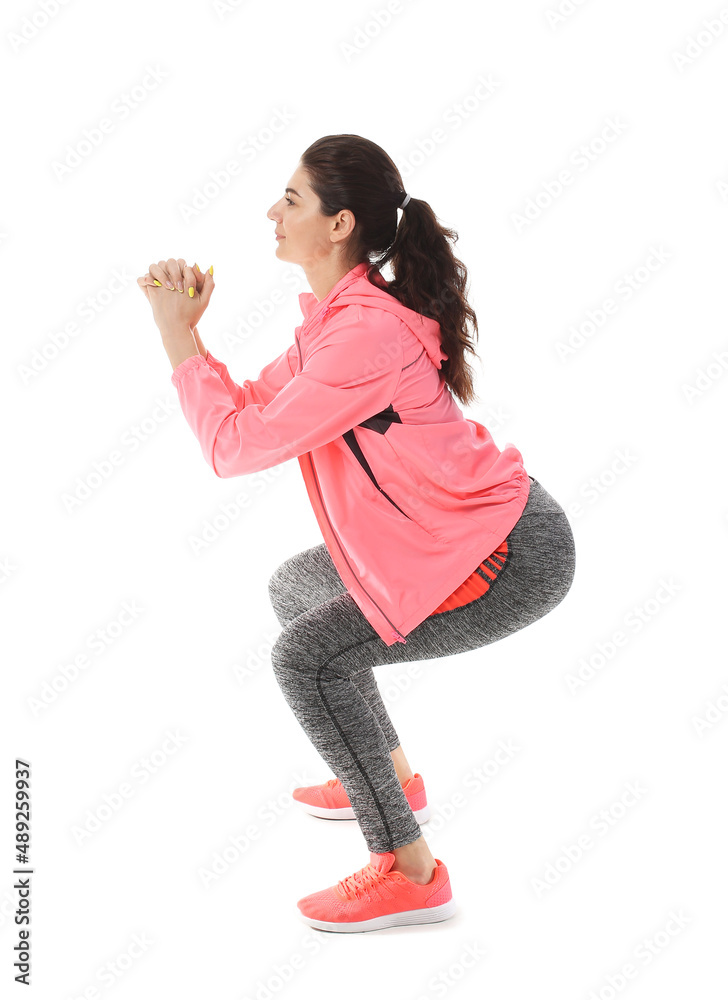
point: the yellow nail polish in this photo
(210, 268)
(192, 292)
(195, 266)
(157, 282)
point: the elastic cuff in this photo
(188, 365)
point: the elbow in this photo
(225, 470)
(223, 473)
(228, 463)
(211, 462)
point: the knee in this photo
(570, 559)
(297, 656)
(285, 655)
(279, 589)
(274, 584)
(567, 563)
(278, 655)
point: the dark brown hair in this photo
(348, 171)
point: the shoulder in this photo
(359, 341)
(360, 318)
(364, 329)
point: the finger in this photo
(207, 289)
(174, 269)
(199, 275)
(159, 271)
(190, 281)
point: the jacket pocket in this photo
(353, 444)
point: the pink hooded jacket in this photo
(409, 494)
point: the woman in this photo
(435, 541)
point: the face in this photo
(309, 238)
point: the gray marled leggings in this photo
(324, 656)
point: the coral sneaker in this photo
(330, 801)
(378, 896)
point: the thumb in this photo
(207, 289)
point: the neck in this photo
(323, 275)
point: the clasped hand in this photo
(181, 305)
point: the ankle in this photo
(403, 781)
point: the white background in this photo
(649, 383)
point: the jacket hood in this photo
(355, 288)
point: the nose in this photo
(270, 214)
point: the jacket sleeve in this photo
(351, 374)
(263, 389)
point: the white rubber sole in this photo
(429, 915)
(421, 815)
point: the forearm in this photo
(200, 346)
(180, 343)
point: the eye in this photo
(289, 200)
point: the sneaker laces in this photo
(332, 782)
(366, 878)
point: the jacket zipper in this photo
(397, 635)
